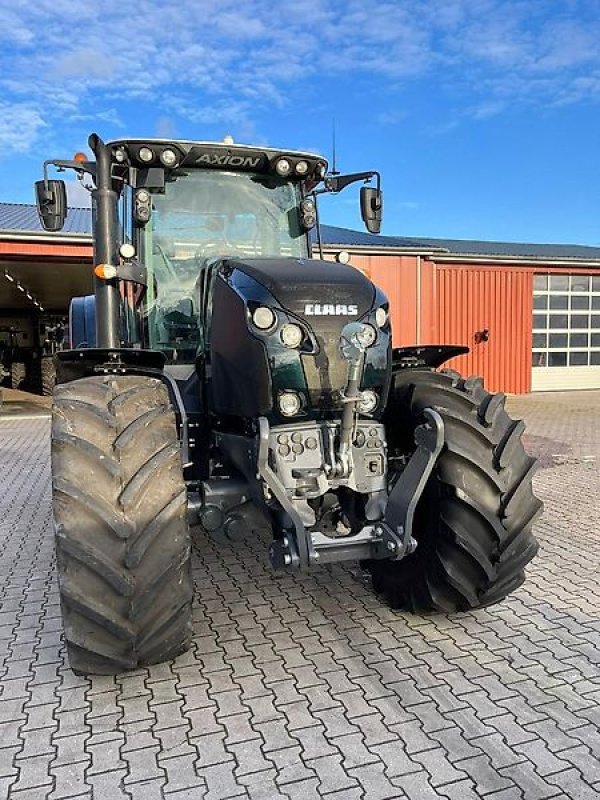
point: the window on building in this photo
(566, 321)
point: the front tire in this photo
(48, 371)
(18, 373)
(122, 540)
(473, 522)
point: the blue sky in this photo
(483, 117)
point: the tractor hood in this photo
(252, 365)
(311, 288)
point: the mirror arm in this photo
(336, 183)
(61, 166)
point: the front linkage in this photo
(388, 538)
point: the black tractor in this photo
(224, 378)
(14, 359)
(52, 337)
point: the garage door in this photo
(566, 332)
(473, 300)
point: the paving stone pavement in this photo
(302, 686)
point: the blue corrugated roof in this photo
(347, 238)
(344, 236)
(17, 217)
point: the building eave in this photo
(46, 238)
(368, 250)
(470, 258)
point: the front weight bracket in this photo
(396, 528)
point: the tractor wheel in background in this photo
(122, 539)
(18, 373)
(473, 523)
(48, 371)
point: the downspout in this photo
(418, 299)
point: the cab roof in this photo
(233, 145)
(228, 155)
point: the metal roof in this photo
(346, 238)
(23, 218)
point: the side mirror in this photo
(51, 201)
(371, 208)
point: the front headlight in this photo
(283, 167)
(292, 335)
(263, 318)
(365, 335)
(368, 401)
(381, 316)
(168, 157)
(289, 403)
(145, 154)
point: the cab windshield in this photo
(200, 217)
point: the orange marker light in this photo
(105, 271)
(80, 157)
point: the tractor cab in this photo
(182, 206)
(207, 205)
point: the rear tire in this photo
(48, 371)
(18, 373)
(122, 539)
(473, 523)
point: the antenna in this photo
(334, 170)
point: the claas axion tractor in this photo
(222, 377)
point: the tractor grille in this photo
(326, 372)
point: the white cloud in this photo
(20, 125)
(13, 29)
(486, 109)
(85, 63)
(111, 116)
(219, 61)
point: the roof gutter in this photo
(34, 236)
(470, 258)
(381, 250)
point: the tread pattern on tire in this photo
(18, 375)
(48, 375)
(120, 510)
(474, 521)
